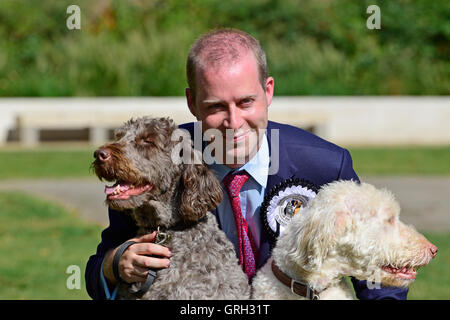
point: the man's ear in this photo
(191, 102)
(269, 90)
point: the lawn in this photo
(42, 239)
(401, 160)
(433, 281)
(39, 240)
(46, 163)
(65, 163)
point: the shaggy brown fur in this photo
(176, 198)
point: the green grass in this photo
(39, 240)
(401, 160)
(64, 163)
(45, 163)
(433, 281)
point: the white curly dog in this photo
(348, 229)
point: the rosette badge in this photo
(284, 201)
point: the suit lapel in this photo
(285, 167)
(285, 171)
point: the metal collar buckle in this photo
(161, 237)
(310, 294)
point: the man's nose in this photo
(234, 118)
(102, 154)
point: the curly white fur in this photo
(349, 229)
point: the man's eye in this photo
(214, 107)
(246, 102)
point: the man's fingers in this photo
(135, 262)
(149, 237)
(151, 249)
(150, 262)
(139, 272)
(136, 278)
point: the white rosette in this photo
(283, 202)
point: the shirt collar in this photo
(257, 167)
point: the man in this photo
(230, 92)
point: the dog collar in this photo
(297, 287)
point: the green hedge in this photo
(134, 48)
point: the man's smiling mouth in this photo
(236, 135)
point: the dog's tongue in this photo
(118, 187)
(123, 190)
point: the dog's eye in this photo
(146, 142)
(119, 135)
(391, 220)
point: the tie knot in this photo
(234, 182)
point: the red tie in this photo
(247, 250)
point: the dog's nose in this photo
(433, 250)
(102, 154)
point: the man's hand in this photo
(135, 261)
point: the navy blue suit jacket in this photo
(302, 155)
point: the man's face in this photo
(231, 99)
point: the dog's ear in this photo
(341, 221)
(200, 192)
(316, 244)
(317, 231)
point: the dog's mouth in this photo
(122, 190)
(407, 273)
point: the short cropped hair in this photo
(223, 46)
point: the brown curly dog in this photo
(176, 198)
